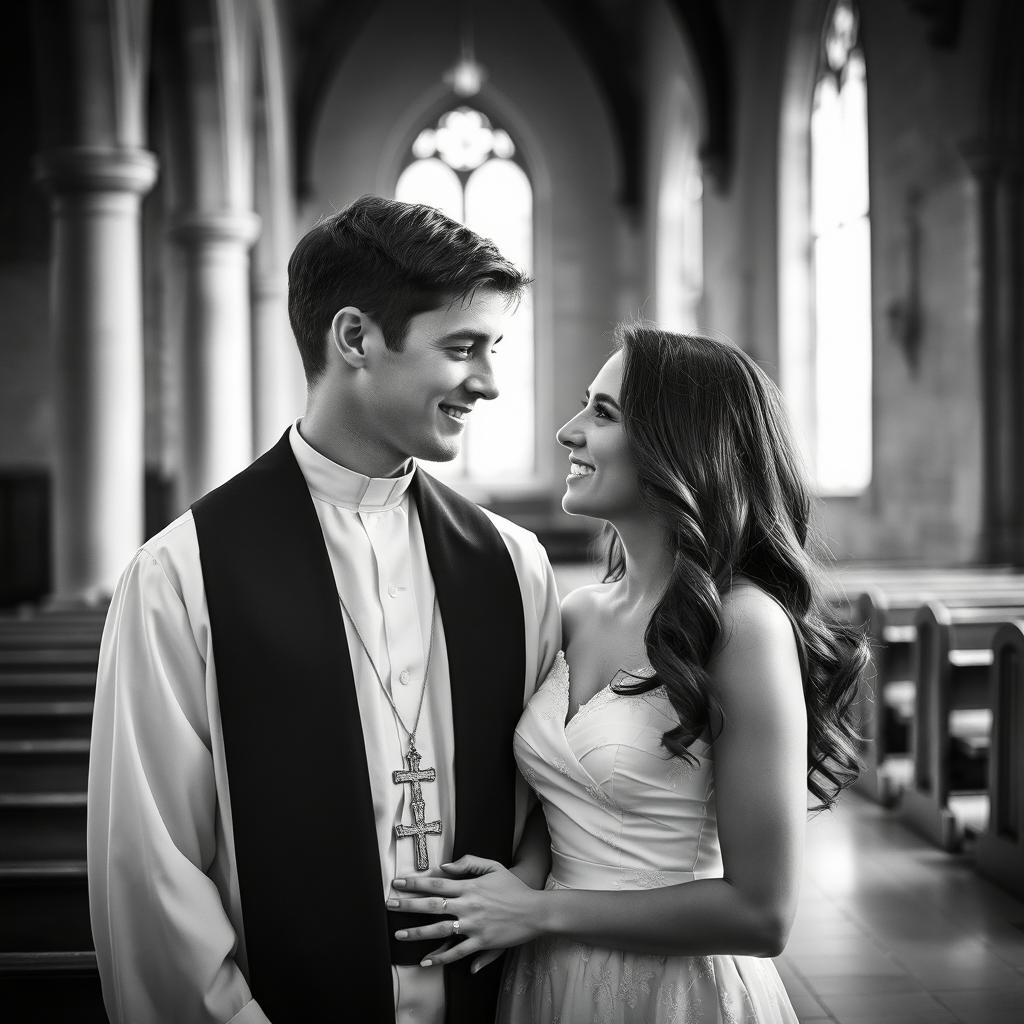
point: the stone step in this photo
(51, 621)
(42, 826)
(93, 624)
(90, 627)
(62, 962)
(44, 906)
(44, 686)
(64, 616)
(20, 661)
(50, 988)
(39, 766)
(49, 643)
(49, 720)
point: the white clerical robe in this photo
(163, 886)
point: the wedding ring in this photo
(444, 904)
(456, 925)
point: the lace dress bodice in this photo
(622, 812)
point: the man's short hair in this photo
(390, 260)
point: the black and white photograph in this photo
(512, 512)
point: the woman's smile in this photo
(578, 468)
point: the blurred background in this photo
(834, 186)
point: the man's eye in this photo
(464, 351)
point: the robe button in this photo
(404, 677)
(394, 590)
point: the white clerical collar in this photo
(344, 487)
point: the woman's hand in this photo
(492, 907)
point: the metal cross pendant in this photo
(418, 831)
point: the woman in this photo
(702, 692)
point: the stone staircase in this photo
(47, 680)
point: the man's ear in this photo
(348, 334)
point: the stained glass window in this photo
(468, 168)
(840, 378)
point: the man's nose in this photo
(482, 385)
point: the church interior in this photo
(833, 185)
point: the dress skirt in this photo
(564, 982)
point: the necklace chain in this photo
(411, 733)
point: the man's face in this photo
(421, 397)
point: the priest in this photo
(309, 682)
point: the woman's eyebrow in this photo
(602, 397)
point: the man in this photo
(309, 682)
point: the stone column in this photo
(999, 217)
(277, 395)
(216, 430)
(96, 314)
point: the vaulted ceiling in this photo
(607, 34)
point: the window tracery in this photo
(470, 170)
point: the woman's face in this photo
(602, 480)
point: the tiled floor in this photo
(893, 931)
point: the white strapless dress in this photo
(623, 814)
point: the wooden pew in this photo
(887, 703)
(999, 853)
(883, 699)
(952, 720)
(858, 575)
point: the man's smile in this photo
(455, 412)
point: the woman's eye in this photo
(600, 413)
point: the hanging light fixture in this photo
(466, 77)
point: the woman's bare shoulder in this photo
(580, 607)
(752, 620)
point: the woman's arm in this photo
(760, 791)
(532, 863)
(533, 855)
(760, 794)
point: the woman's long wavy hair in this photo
(716, 461)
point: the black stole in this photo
(313, 913)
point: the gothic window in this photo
(839, 370)
(469, 169)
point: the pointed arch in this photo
(702, 24)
